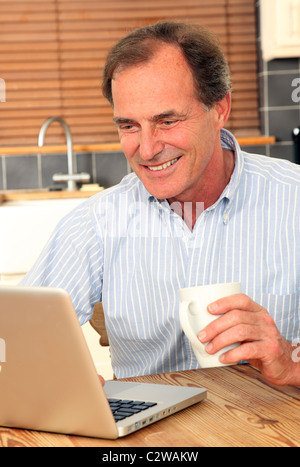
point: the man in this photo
(196, 210)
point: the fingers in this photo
(247, 351)
(241, 321)
(238, 302)
(235, 326)
(233, 335)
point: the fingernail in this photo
(209, 347)
(212, 307)
(202, 336)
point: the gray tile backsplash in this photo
(280, 88)
(34, 172)
(110, 168)
(279, 112)
(21, 172)
(51, 164)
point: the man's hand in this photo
(261, 343)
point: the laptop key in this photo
(150, 404)
(123, 413)
(119, 417)
(143, 406)
(126, 408)
(131, 410)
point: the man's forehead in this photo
(155, 89)
(167, 60)
(163, 53)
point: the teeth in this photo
(164, 166)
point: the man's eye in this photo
(169, 123)
(127, 127)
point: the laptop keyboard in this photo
(125, 408)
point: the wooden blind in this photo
(52, 54)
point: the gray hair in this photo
(200, 47)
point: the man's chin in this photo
(161, 193)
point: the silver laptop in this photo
(48, 381)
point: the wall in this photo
(32, 172)
(53, 53)
(279, 110)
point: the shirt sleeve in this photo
(73, 260)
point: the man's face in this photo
(166, 134)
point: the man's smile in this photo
(165, 165)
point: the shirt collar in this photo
(229, 142)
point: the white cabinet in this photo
(280, 28)
(25, 228)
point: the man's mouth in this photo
(163, 166)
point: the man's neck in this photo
(216, 181)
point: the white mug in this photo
(194, 317)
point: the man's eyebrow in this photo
(162, 116)
(168, 114)
(120, 121)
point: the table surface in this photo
(241, 409)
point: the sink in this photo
(25, 227)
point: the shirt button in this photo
(226, 218)
(185, 239)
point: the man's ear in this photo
(223, 110)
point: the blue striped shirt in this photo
(132, 252)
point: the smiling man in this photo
(170, 137)
(176, 153)
(135, 245)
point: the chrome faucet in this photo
(71, 177)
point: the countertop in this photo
(21, 195)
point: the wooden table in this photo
(242, 409)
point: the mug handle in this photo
(187, 328)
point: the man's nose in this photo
(150, 143)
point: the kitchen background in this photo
(278, 115)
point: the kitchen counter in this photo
(52, 149)
(22, 195)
